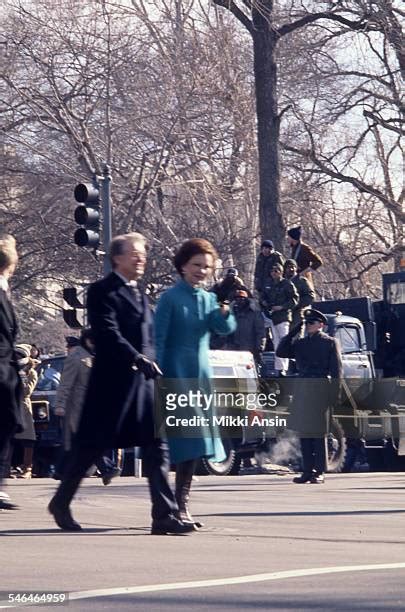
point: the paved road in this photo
(268, 545)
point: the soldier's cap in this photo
(232, 272)
(311, 315)
(290, 262)
(268, 243)
(72, 341)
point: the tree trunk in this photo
(268, 128)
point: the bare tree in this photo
(268, 24)
(346, 120)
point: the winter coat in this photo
(29, 382)
(118, 405)
(185, 317)
(282, 293)
(10, 381)
(305, 257)
(263, 268)
(306, 295)
(317, 357)
(72, 389)
(250, 334)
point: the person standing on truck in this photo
(10, 381)
(306, 258)
(304, 288)
(118, 405)
(186, 315)
(266, 259)
(319, 366)
(250, 333)
(279, 298)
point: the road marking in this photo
(201, 584)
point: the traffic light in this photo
(70, 314)
(87, 215)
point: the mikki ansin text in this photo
(225, 421)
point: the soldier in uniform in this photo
(279, 299)
(319, 366)
(267, 258)
(304, 288)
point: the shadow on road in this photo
(317, 513)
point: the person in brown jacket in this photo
(306, 258)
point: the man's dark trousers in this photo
(155, 456)
(313, 455)
(5, 456)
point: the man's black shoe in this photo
(317, 479)
(63, 517)
(171, 524)
(6, 503)
(108, 476)
(303, 478)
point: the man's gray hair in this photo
(8, 252)
(118, 244)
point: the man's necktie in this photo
(136, 294)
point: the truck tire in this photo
(229, 467)
(336, 448)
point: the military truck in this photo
(344, 439)
(373, 350)
(371, 415)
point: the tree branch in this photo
(344, 178)
(240, 15)
(312, 17)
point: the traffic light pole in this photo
(107, 216)
(94, 214)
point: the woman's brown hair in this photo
(195, 246)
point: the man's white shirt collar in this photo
(4, 283)
(131, 283)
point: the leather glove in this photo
(296, 329)
(149, 368)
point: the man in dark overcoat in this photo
(118, 405)
(10, 382)
(319, 366)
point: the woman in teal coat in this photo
(185, 316)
